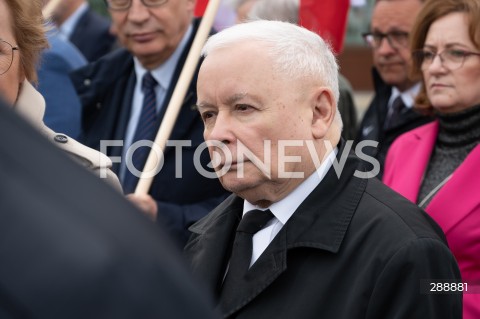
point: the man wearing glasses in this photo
(390, 112)
(125, 96)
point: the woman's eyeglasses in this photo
(6, 56)
(451, 59)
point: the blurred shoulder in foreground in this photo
(70, 256)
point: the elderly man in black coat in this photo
(308, 233)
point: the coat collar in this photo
(422, 141)
(321, 222)
(31, 104)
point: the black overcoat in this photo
(353, 249)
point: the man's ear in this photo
(324, 109)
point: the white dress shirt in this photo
(284, 209)
(408, 97)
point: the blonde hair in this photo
(29, 33)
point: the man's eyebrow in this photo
(230, 100)
(235, 98)
(203, 105)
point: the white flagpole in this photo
(178, 95)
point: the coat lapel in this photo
(271, 264)
(459, 196)
(420, 143)
(125, 102)
(209, 252)
(315, 224)
(420, 156)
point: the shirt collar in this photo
(68, 25)
(164, 73)
(408, 96)
(285, 208)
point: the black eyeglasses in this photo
(396, 39)
(120, 5)
(6, 56)
(452, 59)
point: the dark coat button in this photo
(60, 138)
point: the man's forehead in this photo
(395, 14)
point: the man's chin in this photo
(236, 184)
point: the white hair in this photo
(295, 51)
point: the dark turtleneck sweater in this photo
(458, 134)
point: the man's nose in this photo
(385, 47)
(138, 12)
(221, 130)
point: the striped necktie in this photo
(147, 127)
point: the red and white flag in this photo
(328, 18)
(200, 7)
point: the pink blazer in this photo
(456, 207)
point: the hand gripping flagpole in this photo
(175, 104)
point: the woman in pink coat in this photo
(437, 165)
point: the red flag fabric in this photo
(200, 7)
(328, 18)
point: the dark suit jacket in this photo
(372, 125)
(106, 91)
(353, 249)
(72, 247)
(63, 109)
(92, 35)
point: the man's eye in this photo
(207, 115)
(242, 107)
(377, 37)
(397, 35)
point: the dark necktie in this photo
(146, 130)
(397, 109)
(251, 223)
